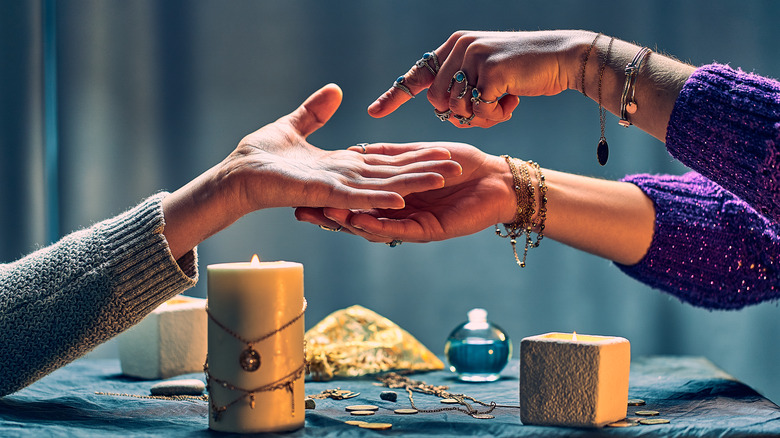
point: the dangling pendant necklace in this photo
(250, 359)
(602, 150)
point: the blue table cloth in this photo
(699, 399)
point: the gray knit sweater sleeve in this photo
(59, 302)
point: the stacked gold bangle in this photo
(523, 223)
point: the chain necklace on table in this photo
(250, 358)
(395, 380)
(204, 397)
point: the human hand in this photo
(501, 65)
(276, 167)
(480, 197)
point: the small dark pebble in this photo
(310, 403)
(388, 395)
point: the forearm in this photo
(61, 301)
(610, 219)
(658, 84)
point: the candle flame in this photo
(574, 336)
(255, 263)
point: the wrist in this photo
(576, 47)
(197, 211)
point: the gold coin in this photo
(483, 416)
(449, 401)
(362, 408)
(376, 426)
(406, 411)
(623, 423)
(636, 402)
(647, 413)
(651, 421)
(362, 412)
(355, 422)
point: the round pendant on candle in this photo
(249, 359)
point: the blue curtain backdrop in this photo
(149, 94)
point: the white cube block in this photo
(168, 342)
(567, 382)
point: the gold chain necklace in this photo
(250, 358)
(395, 380)
(287, 382)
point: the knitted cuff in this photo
(144, 272)
(726, 126)
(709, 248)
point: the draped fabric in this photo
(149, 94)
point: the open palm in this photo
(480, 197)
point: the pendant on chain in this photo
(602, 151)
(249, 359)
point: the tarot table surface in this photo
(698, 398)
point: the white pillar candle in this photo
(247, 302)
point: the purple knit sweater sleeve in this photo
(710, 248)
(717, 237)
(726, 126)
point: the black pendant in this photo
(602, 151)
(249, 359)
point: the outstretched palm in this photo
(275, 166)
(467, 204)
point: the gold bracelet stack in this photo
(627, 103)
(523, 223)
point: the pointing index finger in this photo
(417, 79)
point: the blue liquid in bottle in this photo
(478, 350)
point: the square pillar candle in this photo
(255, 367)
(168, 342)
(569, 379)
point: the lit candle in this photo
(255, 346)
(568, 379)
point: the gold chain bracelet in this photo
(523, 223)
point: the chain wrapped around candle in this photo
(255, 362)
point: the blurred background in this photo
(103, 103)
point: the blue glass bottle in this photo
(478, 350)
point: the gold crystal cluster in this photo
(356, 341)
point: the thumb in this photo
(316, 110)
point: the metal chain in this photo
(395, 380)
(285, 382)
(204, 397)
(261, 338)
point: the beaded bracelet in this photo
(522, 223)
(627, 103)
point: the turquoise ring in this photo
(423, 62)
(399, 83)
(459, 77)
(476, 97)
